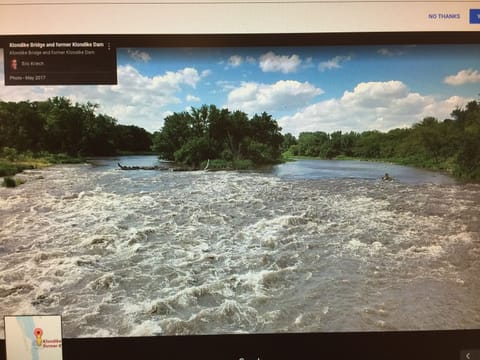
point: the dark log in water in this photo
(124, 167)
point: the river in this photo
(308, 246)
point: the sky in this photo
(346, 88)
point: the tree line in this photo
(192, 137)
(452, 144)
(57, 125)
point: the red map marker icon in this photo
(38, 332)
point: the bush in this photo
(289, 154)
(193, 152)
(217, 164)
(9, 153)
(25, 156)
(62, 158)
(7, 169)
(220, 164)
(9, 182)
(246, 164)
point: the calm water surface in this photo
(345, 169)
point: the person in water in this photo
(387, 177)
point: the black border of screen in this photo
(253, 40)
(405, 345)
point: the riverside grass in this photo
(11, 165)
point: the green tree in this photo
(468, 156)
(194, 151)
(133, 138)
(288, 141)
(430, 136)
(176, 131)
(264, 130)
(212, 133)
(99, 135)
(236, 131)
(21, 126)
(369, 145)
(312, 143)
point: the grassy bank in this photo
(10, 167)
(134, 153)
(245, 164)
(12, 163)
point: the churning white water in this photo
(138, 253)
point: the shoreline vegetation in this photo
(403, 162)
(451, 146)
(38, 134)
(13, 163)
(219, 139)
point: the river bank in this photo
(444, 168)
(313, 246)
(12, 163)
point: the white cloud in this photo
(463, 77)
(235, 60)
(188, 76)
(374, 105)
(334, 63)
(390, 52)
(308, 63)
(225, 85)
(205, 73)
(270, 62)
(138, 55)
(192, 98)
(374, 94)
(253, 97)
(395, 51)
(136, 99)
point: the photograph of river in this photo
(308, 246)
(276, 218)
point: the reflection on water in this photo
(346, 169)
(312, 246)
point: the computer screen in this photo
(244, 195)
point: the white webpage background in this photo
(234, 17)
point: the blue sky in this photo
(305, 89)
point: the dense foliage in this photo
(212, 133)
(229, 139)
(58, 126)
(452, 145)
